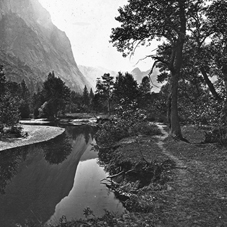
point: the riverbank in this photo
(36, 134)
(161, 181)
(166, 182)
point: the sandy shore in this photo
(36, 134)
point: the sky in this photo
(88, 23)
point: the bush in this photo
(144, 128)
(16, 131)
(111, 132)
(216, 135)
(9, 113)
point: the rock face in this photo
(92, 73)
(31, 46)
(138, 75)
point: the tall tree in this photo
(108, 86)
(56, 95)
(104, 89)
(218, 23)
(91, 97)
(86, 99)
(25, 100)
(9, 114)
(144, 21)
(144, 92)
(125, 90)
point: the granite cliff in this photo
(138, 75)
(31, 46)
(92, 73)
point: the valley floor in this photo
(36, 134)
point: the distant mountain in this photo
(138, 75)
(31, 46)
(92, 73)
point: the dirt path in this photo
(182, 187)
(160, 143)
(198, 191)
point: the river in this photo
(41, 183)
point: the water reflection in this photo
(57, 150)
(9, 162)
(34, 179)
(87, 131)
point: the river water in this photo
(41, 183)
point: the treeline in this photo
(54, 98)
(14, 103)
(121, 94)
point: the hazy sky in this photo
(88, 25)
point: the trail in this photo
(180, 164)
(182, 186)
(197, 195)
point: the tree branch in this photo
(149, 74)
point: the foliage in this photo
(193, 47)
(86, 98)
(9, 112)
(144, 128)
(91, 98)
(55, 96)
(25, 100)
(75, 103)
(103, 93)
(24, 109)
(125, 91)
(129, 122)
(112, 132)
(144, 89)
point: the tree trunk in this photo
(210, 85)
(169, 109)
(175, 129)
(109, 106)
(223, 116)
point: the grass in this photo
(200, 192)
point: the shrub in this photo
(111, 132)
(216, 135)
(144, 128)
(16, 131)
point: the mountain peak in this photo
(29, 35)
(136, 71)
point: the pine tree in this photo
(86, 99)
(9, 113)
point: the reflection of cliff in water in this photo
(34, 179)
(86, 130)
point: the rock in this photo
(32, 46)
